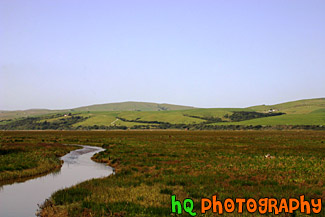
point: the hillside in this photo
(132, 106)
(121, 106)
(304, 106)
(4, 115)
(137, 115)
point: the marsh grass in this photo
(150, 166)
(20, 160)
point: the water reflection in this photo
(21, 199)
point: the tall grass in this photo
(152, 165)
(20, 160)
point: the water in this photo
(22, 199)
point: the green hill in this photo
(121, 106)
(288, 119)
(4, 115)
(139, 115)
(304, 106)
(133, 106)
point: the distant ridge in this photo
(118, 106)
(306, 111)
(133, 106)
(303, 106)
(25, 113)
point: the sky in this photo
(209, 53)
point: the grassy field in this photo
(314, 118)
(131, 114)
(151, 166)
(302, 112)
(192, 116)
(5, 115)
(295, 107)
(132, 106)
(23, 158)
(122, 106)
(196, 116)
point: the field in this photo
(314, 118)
(295, 107)
(132, 106)
(153, 165)
(136, 115)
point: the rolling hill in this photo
(133, 106)
(304, 106)
(121, 106)
(4, 115)
(139, 115)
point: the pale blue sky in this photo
(218, 53)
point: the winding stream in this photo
(22, 199)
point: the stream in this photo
(22, 199)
